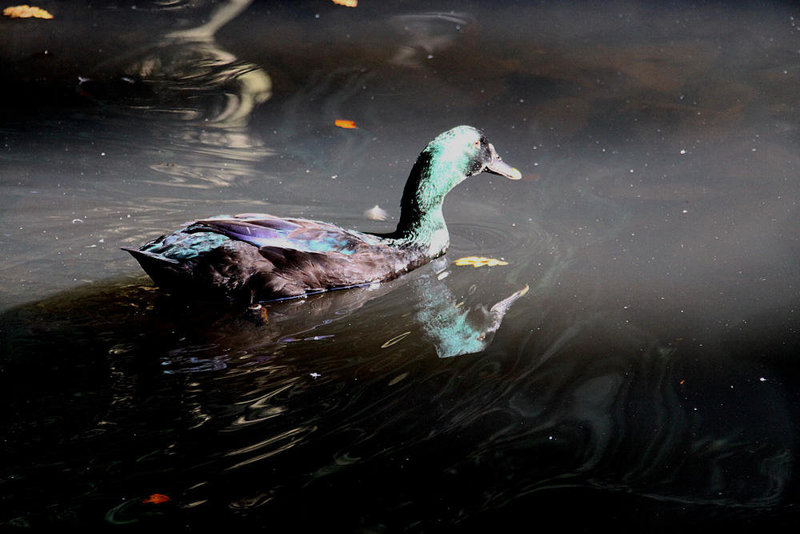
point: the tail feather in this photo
(162, 270)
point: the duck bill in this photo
(498, 166)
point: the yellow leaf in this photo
(25, 12)
(341, 123)
(346, 3)
(479, 261)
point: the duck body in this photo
(262, 257)
(259, 257)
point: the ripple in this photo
(499, 240)
(274, 445)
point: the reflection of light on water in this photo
(274, 445)
(427, 34)
(197, 81)
(185, 75)
(200, 176)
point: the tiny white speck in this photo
(314, 375)
(683, 151)
(762, 379)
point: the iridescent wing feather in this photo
(296, 234)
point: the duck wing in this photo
(285, 257)
(266, 231)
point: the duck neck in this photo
(421, 220)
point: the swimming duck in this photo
(258, 257)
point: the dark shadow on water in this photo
(116, 392)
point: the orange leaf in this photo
(25, 12)
(341, 123)
(346, 3)
(156, 498)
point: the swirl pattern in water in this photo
(229, 414)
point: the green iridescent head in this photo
(448, 160)
(460, 153)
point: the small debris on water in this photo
(156, 498)
(376, 213)
(258, 314)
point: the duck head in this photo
(451, 158)
(460, 153)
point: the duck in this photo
(255, 257)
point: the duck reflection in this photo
(186, 75)
(425, 34)
(455, 329)
(451, 327)
(194, 331)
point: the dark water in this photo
(647, 380)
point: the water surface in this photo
(646, 380)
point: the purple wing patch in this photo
(296, 234)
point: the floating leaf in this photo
(156, 498)
(341, 123)
(25, 12)
(479, 261)
(346, 3)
